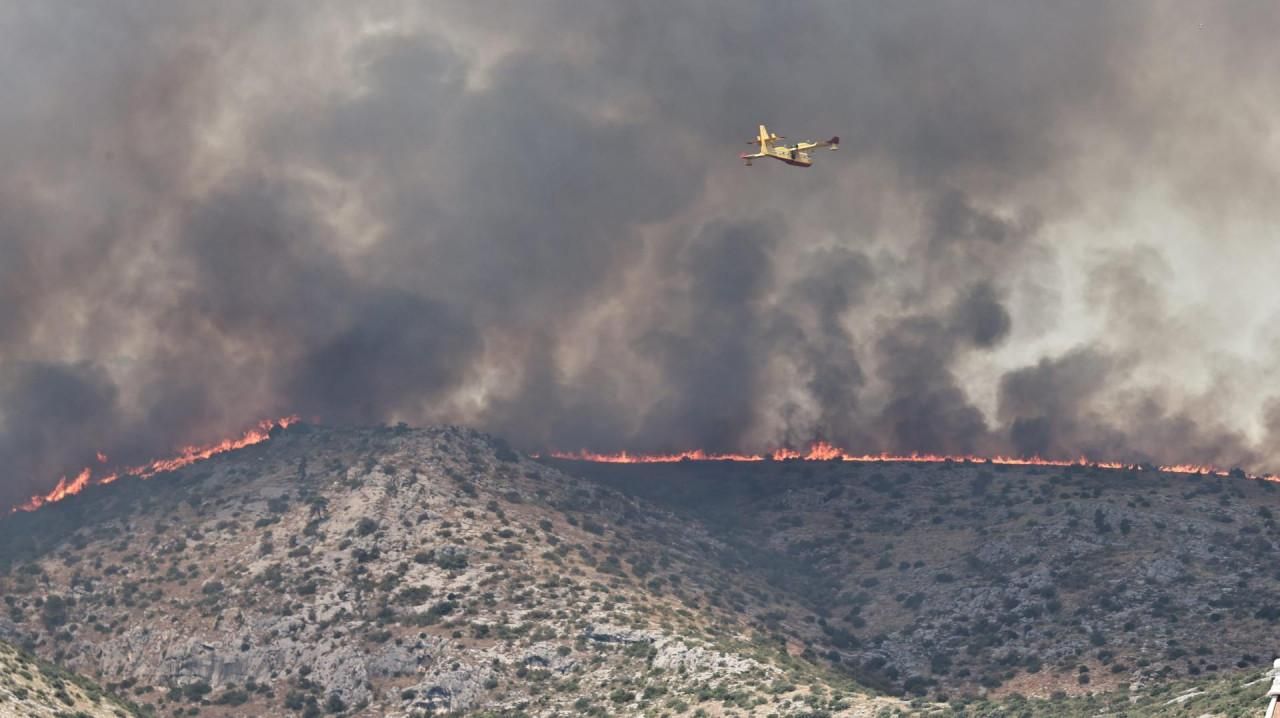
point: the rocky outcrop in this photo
(30, 688)
(608, 633)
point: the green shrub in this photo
(232, 697)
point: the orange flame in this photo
(186, 455)
(823, 451)
(62, 490)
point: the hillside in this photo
(399, 572)
(402, 572)
(31, 688)
(962, 578)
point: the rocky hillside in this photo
(406, 572)
(32, 688)
(957, 579)
(402, 572)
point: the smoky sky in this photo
(1049, 229)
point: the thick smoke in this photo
(532, 220)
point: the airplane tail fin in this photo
(834, 142)
(764, 138)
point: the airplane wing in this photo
(833, 143)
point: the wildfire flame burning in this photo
(823, 451)
(817, 451)
(186, 455)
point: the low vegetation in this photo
(393, 571)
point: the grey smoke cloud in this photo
(532, 220)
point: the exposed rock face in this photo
(674, 655)
(170, 657)
(451, 688)
(30, 688)
(607, 633)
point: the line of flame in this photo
(185, 456)
(818, 451)
(823, 451)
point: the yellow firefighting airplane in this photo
(796, 155)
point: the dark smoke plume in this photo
(530, 218)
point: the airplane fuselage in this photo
(785, 154)
(791, 157)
